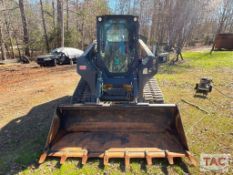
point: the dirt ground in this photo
(29, 95)
(24, 86)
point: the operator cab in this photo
(117, 46)
(117, 43)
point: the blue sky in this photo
(112, 4)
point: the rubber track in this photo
(151, 93)
(82, 93)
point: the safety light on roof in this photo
(99, 19)
(135, 19)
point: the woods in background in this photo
(180, 22)
(37, 26)
(29, 27)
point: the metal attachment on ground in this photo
(203, 87)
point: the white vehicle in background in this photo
(62, 55)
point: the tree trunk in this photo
(82, 33)
(54, 23)
(218, 31)
(44, 27)
(67, 15)
(17, 45)
(221, 24)
(9, 36)
(3, 51)
(58, 28)
(134, 5)
(25, 28)
(152, 31)
(7, 51)
(7, 23)
(60, 22)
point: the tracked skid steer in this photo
(117, 109)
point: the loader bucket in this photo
(117, 131)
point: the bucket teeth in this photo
(191, 158)
(43, 157)
(84, 158)
(169, 157)
(126, 154)
(127, 160)
(170, 160)
(63, 159)
(106, 160)
(148, 159)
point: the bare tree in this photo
(44, 27)
(7, 23)
(123, 7)
(25, 28)
(60, 21)
(177, 22)
(17, 43)
(2, 43)
(6, 15)
(67, 15)
(53, 7)
(225, 14)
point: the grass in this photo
(206, 133)
(209, 61)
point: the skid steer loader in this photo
(117, 109)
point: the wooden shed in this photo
(224, 41)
